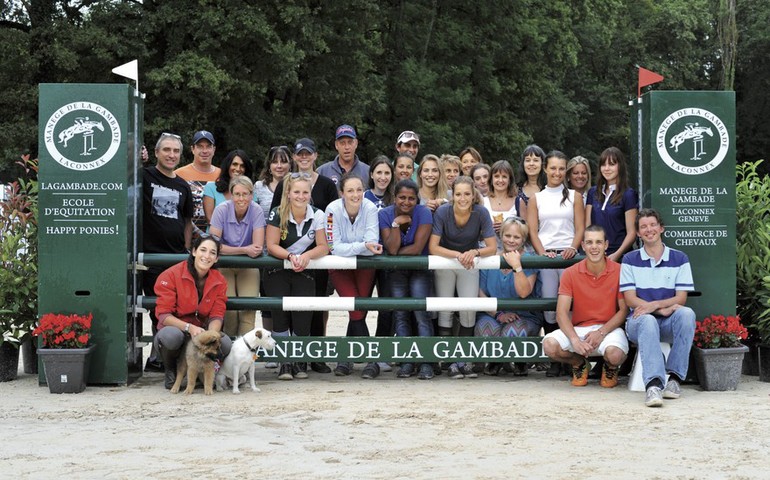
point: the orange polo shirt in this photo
(594, 298)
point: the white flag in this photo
(128, 70)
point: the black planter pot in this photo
(9, 362)
(764, 362)
(29, 355)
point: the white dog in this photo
(242, 357)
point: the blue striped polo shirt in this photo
(656, 281)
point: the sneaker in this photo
(454, 372)
(371, 371)
(426, 371)
(271, 364)
(654, 397)
(467, 370)
(609, 377)
(320, 367)
(672, 390)
(580, 374)
(286, 372)
(153, 365)
(477, 367)
(300, 370)
(406, 370)
(343, 369)
(385, 367)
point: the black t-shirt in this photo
(167, 207)
(323, 193)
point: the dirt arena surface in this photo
(328, 427)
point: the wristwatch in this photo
(394, 224)
(518, 270)
(187, 328)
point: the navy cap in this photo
(201, 135)
(304, 144)
(345, 131)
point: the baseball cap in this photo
(345, 131)
(304, 144)
(408, 136)
(201, 135)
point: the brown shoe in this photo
(609, 377)
(580, 374)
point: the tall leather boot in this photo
(169, 366)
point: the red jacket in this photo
(178, 296)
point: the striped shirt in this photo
(656, 281)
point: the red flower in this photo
(64, 331)
(718, 331)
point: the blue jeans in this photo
(415, 284)
(647, 331)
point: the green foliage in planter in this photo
(18, 258)
(753, 247)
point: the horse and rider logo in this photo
(692, 141)
(82, 136)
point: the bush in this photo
(753, 247)
(18, 258)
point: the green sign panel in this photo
(685, 164)
(86, 227)
(405, 349)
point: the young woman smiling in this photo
(433, 187)
(480, 173)
(579, 176)
(381, 182)
(405, 228)
(457, 228)
(240, 223)
(613, 204)
(295, 232)
(191, 299)
(352, 229)
(323, 191)
(556, 221)
(404, 166)
(531, 172)
(502, 201)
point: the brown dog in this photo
(199, 354)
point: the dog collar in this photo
(253, 349)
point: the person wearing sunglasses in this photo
(323, 191)
(295, 232)
(241, 225)
(513, 282)
(167, 209)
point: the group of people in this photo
(453, 206)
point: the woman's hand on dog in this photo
(195, 330)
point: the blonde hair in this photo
(441, 186)
(447, 159)
(519, 222)
(574, 162)
(243, 181)
(288, 182)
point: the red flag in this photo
(647, 77)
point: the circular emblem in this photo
(692, 141)
(82, 136)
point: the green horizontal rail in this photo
(402, 262)
(371, 303)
